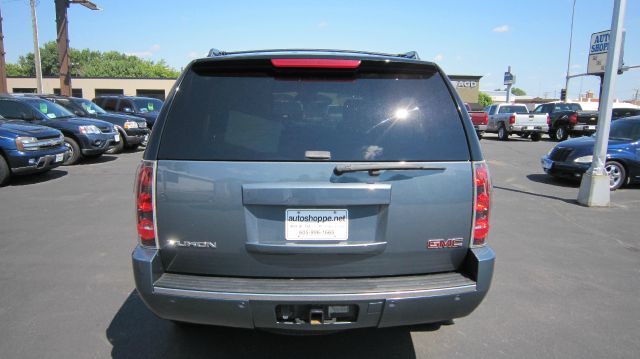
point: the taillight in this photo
(512, 119)
(573, 118)
(317, 63)
(485, 119)
(144, 204)
(548, 119)
(482, 203)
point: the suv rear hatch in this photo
(312, 168)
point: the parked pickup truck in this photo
(26, 148)
(479, 119)
(568, 119)
(506, 119)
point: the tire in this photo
(535, 137)
(118, 147)
(75, 155)
(525, 135)
(503, 135)
(560, 134)
(5, 172)
(133, 147)
(617, 174)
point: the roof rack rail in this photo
(408, 55)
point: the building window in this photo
(159, 94)
(24, 90)
(106, 92)
(74, 92)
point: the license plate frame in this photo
(59, 158)
(304, 224)
(116, 137)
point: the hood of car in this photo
(82, 121)
(120, 119)
(583, 146)
(148, 115)
(25, 129)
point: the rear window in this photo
(513, 109)
(363, 117)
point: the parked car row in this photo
(39, 132)
(559, 120)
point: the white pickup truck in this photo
(506, 119)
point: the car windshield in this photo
(625, 130)
(148, 104)
(89, 106)
(566, 107)
(49, 108)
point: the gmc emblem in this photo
(444, 243)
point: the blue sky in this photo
(464, 37)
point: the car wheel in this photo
(524, 135)
(118, 147)
(535, 137)
(74, 151)
(617, 174)
(503, 135)
(5, 172)
(561, 133)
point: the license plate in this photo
(547, 163)
(59, 157)
(589, 127)
(146, 138)
(316, 224)
(117, 138)
(531, 127)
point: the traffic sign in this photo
(509, 78)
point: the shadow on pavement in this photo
(571, 201)
(37, 177)
(547, 179)
(95, 160)
(135, 332)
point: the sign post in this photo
(594, 188)
(509, 80)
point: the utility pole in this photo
(3, 67)
(62, 25)
(594, 188)
(36, 47)
(63, 46)
(566, 84)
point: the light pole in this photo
(566, 84)
(63, 40)
(594, 188)
(36, 47)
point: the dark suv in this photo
(313, 191)
(133, 130)
(83, 137)
(145, 107)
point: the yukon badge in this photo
(174, 243)
(444, 243)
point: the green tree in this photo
(89, 63)
(484, 100)
(518, 92)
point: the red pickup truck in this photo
(480, 120)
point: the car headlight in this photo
(584, 159)
(26, 143)
(130, 124)
(89, 129)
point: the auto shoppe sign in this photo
(598, 49)
(466, 83)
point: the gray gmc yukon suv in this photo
(312, 190)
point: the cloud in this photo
(146, 53)
(439, 57)
(323, 24)
(503, 28)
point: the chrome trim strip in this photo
(314, 297)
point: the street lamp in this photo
(566, 84)
(63, 40)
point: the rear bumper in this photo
(529, 128)
(583, 129)
(251, 302)
(480, 128)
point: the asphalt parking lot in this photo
(567, 279)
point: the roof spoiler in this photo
(408, 55)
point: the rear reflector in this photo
(573, 118)
(316, 63)
(144, 204)
(482, 204)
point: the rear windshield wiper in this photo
(374, 169)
